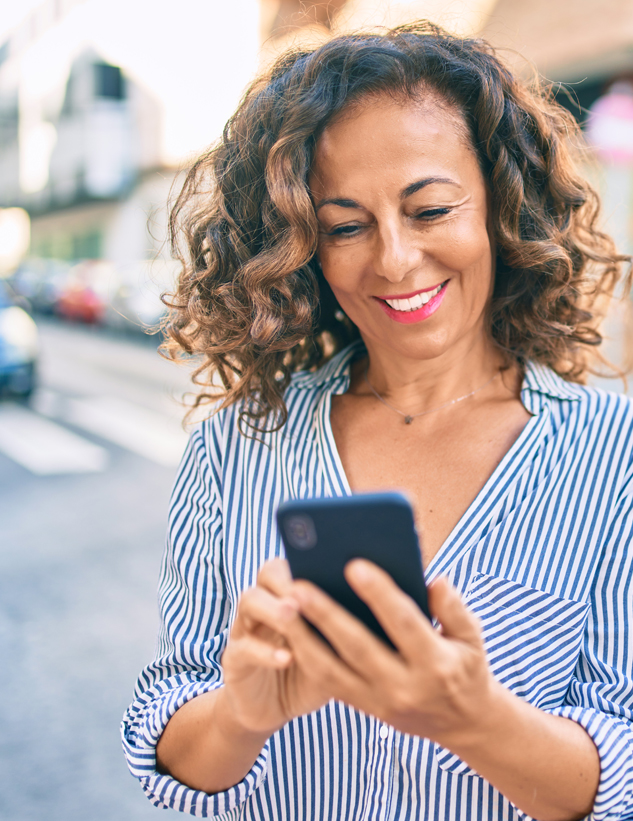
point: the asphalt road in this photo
(85, 476)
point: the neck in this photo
(417, 384)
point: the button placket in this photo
(379, 806)
(386, 741)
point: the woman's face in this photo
(404, 238)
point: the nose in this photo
(397, 253)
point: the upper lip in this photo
(413, 293)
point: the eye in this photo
(344, 231)
(432, 213)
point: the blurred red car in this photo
(87, 292)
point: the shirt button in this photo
(384, 732)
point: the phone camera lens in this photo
(300, 532)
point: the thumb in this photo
(456, 620)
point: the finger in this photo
(400, 617)
(276, 577)
(252, 651)
(325, 668)
(366, 654)
(259, 607)
(456, 620)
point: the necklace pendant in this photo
(408, 420)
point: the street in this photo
(85, 476)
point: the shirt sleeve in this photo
(600, 696)
(195, 614)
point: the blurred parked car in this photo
(137, 305)
(123, 297)
(40, 281)
(18, 346)
(87, 292)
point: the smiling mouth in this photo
(415, 302)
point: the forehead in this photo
(395, 137)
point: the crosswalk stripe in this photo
(142, 431)
(44, 447)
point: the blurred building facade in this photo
(101, 177)
(97, 118)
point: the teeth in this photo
(414, 302)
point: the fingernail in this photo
(282, 656)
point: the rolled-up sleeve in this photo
(195, 617)
(600, 696)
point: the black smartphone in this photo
(322, 535)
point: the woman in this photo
(394, 279)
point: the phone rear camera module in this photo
(300, 532)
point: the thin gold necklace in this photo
(409, 417)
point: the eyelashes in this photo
(428, 215)
(344, 231)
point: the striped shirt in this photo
(541, 556)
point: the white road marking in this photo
(142, 431)
(45, 448)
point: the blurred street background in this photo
(85, 473)
(103, 104)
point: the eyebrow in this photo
(342, 203)
(406, 192)
(417, 186)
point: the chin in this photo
(419, 346)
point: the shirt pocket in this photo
(532, 640)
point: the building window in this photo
(72, 248)
(88, 245)
(9, 121)
(109, 82)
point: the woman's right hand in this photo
(263, 687)
(211, 742)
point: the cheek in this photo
(468, 251)
(343, 269)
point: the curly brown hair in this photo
(251, 299)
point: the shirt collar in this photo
(334, 371)
(539, 380)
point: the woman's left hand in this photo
(437, 685)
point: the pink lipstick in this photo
(406, 310)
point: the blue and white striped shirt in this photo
(542, 556)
